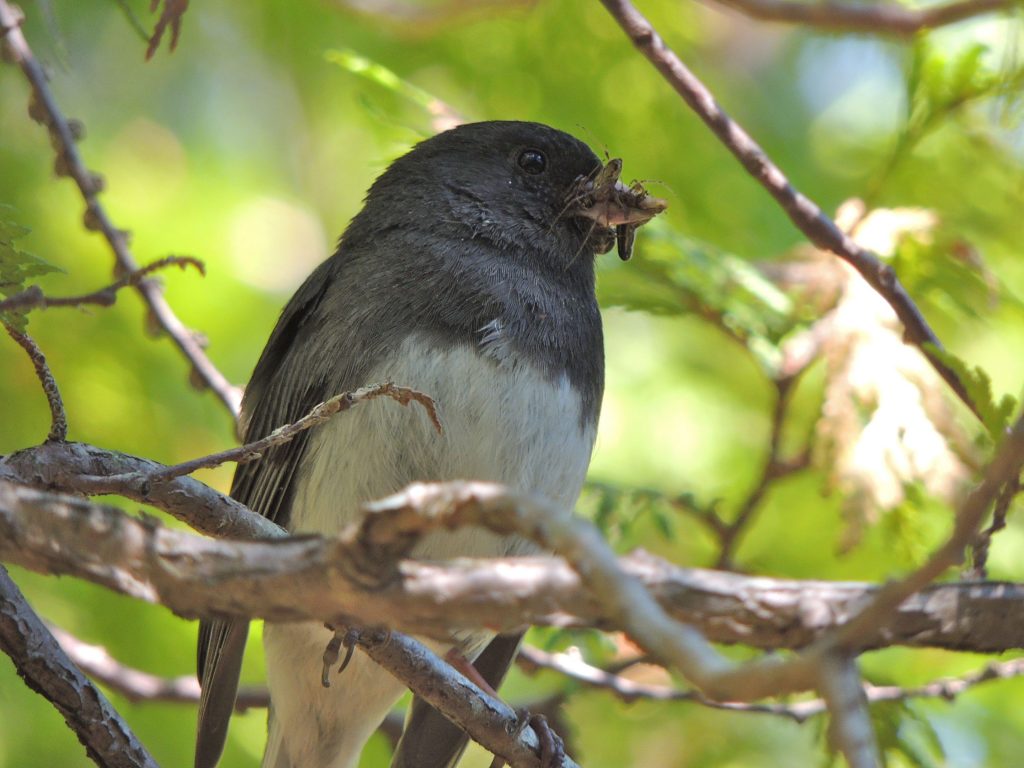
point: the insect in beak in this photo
(610, 204)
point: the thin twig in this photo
(34, 298)
(170, 17)
(947, 688)
(58, 418)
(802, 211)
(575, 668)
(137, 685)
(774, 469)
(321, 413)
(572, 666)
(727, 532)
(69, 163)
(609, 679)
(984, 540)
(770, 677)
(890, 19)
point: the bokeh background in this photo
(251, 147)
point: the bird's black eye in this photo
(532, 161)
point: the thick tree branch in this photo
(84, 469)
(48, 671)
(366, 555)
(144, 560)
(888, 19)
(69, 162)
(802, 211)
(321, 579)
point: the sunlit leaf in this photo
(995, 414)
(678, 275)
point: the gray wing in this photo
(285, 385)
(431, 741)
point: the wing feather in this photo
(285, 386)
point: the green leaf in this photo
(16, 266)
(939, 86)
(133, 20)
(608, 500)
(678, 275)
(663, 522)
(911, 528)
(903, 732)
(995, 415)
(378, 74)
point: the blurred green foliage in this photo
(251, 147)
(17, 267)
(995, 415)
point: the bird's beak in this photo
(616, 208)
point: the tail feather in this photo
(221, 647)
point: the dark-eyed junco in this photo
(468, 275)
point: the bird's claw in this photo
(552, 748)
(344, 637)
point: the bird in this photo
(469, 275)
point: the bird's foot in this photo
(552, 748)
(344, 637)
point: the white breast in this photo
(503, 421)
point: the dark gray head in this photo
(483, 235)
(505, 184)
